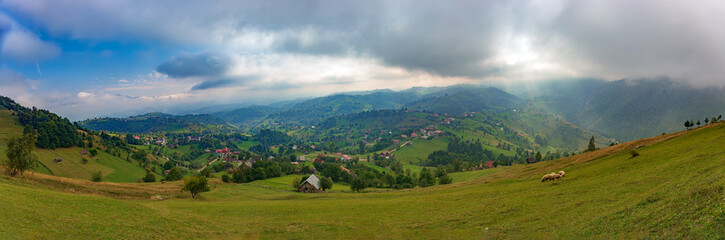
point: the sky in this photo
(89, 58)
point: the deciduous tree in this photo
(20, 155)
(195, 184)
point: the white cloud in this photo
(84, 94)
(22, 45)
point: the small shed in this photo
(531, 160)
(57, 160)
(84, 152)
(311, 185)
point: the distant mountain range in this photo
(625, 109)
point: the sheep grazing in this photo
(553, 176)
(545, 178)
(549, 177)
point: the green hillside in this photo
(113, 168)
(673, 190)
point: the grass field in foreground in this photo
(674, 189)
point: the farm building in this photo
(311, 185)
(84, 152)
(57, 160)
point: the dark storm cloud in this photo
(196, 65)
(225, 82)
(622, 38)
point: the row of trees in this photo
(690, 123)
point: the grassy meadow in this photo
(674, 189)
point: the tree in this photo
(357, 185)
(698, 123)
(326, 183)
(84, 160)
(93, 152)
(139, 155)
(97, 176)
(226, 178)
(150, 177)
(195, 184)
(426, 178)
(20, 155)
(539, 157)
(296, 182)
(361, 145)
(445, 179)
(688, 124)
(591, 146)
(707, 120)
(174, 174)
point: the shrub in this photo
(84, 160)
(326, 183)
(97, 176)
(445, 179)
(634, 153)
(150, 177)
(225, 178)
(174, 174)
(296, 182)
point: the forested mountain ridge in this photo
(53, 131)
(157, 122)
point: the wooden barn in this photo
(311, 185)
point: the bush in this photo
(634, 153)
(150, 177)
(174, 174)
(97, 176)
(225, 178)
(445, 179)
(296, 182)
(326, 183)
(84, 160)
(195, 184)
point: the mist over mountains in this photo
(624, 109)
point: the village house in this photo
(84, 152)
(345, 169)
(301, 159)
(310, 185)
